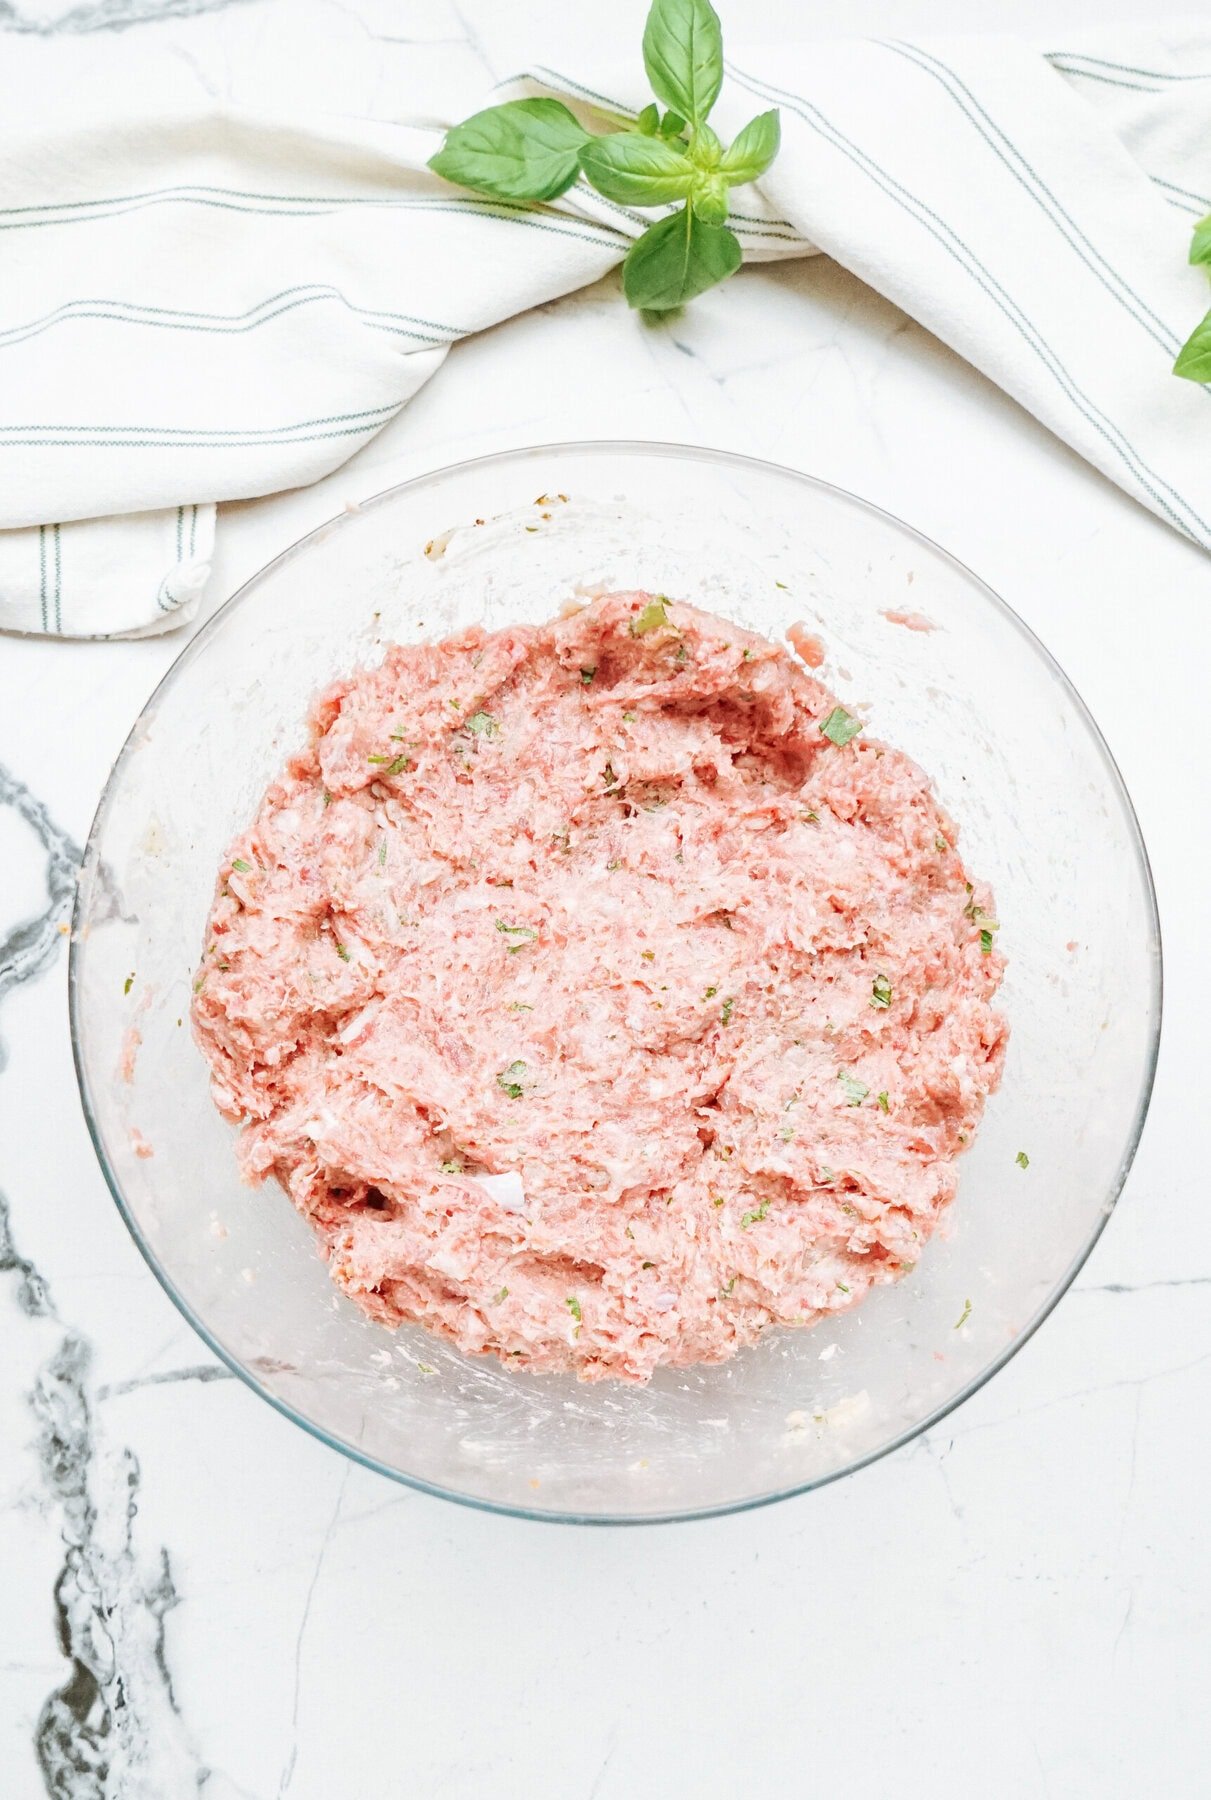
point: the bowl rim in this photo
(691, 453)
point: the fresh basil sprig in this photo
(533, 150)
(1194, 357)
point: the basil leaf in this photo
(1194, 357)
(637, 171)
(1200, 243)
(706, 151)
(751, 153)
(709, 199)
(672, 125)
(677, 259)
(683, 55)
(840, 726)
(648, 120)
(522, 150)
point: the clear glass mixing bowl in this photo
(1016, 759)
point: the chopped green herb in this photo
(649, 1265)
(128, 984)
(573, 1306)
(426, 1368)
(628, 718)
(327, 799)
(710, 993)
(682, 654)
(746, 656)
(1022, 1160)
(754, 1218)
(841, 1288)
(651, 618)
(453, 1167)
(611, 866)
(524, 932)
(787, 1133)
(483, 724)
(456, 704)
(717, 1200)
(782, 585)
(986, 943)
(382, 854)
(647, 956)
(241, 866)
(811, 818)
(840, 726)
(609, 777)
(731, 1284)
(964, 1315)
(880, 993)
(343, 953)
(882, 1102)
(725, 1017)
(940, 845)
(395, 765)
(198, 983)
(518, 1006)
(501, 1297)
(223, 967)
(586, 675)
(510, 1080)
(855, 1090)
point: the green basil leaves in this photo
(534, 150)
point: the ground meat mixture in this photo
(601, 992)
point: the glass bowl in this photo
(1015, 758)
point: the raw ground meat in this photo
(595, 1006)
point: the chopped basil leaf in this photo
(710, 993)
(840, 726)
(880, 993)
(609, 777)
(651, 618)
(518, 1006)
(524, 932)
(754, 1218)
(451, 1168)
(964, 1315)
(382, 854)
(241, 866)
(483, 724)
(573, 1306)
(940, 845)
(501, 1297)
(327, 799)
(343, 953)
(628, 718)
(841, 1288)
(786, 1133)
(882, 1101)
(395, 765)
(725, 1017)
(510, 1080)
(855, 1090)
(731, 1284)
(586, 675)
(1022, 1160)
(985, 943)
(128, 984)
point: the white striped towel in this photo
(217, 304)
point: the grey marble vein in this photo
(112, 1725)
(101, 15)
(29, 947)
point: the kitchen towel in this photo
(213, 303)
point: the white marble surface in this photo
(198, 1598)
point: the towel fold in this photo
(214, 304)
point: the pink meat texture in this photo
(596, 1008)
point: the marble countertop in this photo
(198, 1598)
